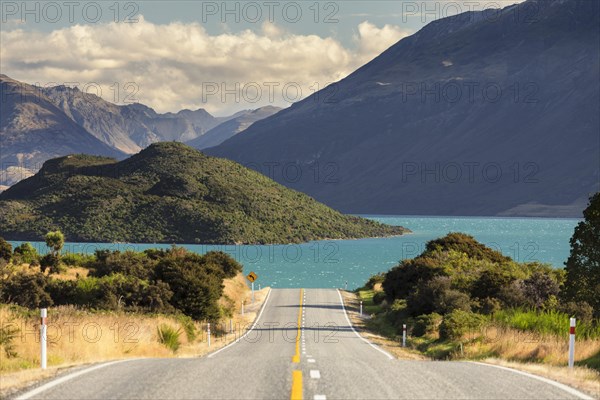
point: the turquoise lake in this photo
(332, 263)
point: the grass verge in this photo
(541, 354)
(77, 337)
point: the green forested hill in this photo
(169, 192)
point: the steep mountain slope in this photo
(169, 192)
(476, 114)
(232, 127)
(33, 129)
(128, 128)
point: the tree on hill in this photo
(582, 283)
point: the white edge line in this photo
(63, 379)
(559, 385)
(388, 355)
(248, 331)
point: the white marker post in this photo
(252, 292)
(208, 332)
(43, 336)
(230, 326)
(259, 287)
(403, 335)
(242, 307)
(361, 307)
(572, 343)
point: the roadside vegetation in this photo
(463, 300)
(112, 304)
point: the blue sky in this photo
(190, 54)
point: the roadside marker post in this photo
(361, 307)
(572, 342)
(252, 292)
(403, 335)
(242, 307)
(230, 326)
(43, 337)
(208, 332)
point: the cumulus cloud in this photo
(180, 65)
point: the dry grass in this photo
(78, 337)
(391, 346)
(71, 274)
(511, 344)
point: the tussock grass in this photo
(169, 336)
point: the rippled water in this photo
(333, 263)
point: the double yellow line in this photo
(297, 375)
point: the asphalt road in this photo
(327, 361)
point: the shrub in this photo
(401, 280)
(79, 260)
(538, 288)
(580, 310)
(427, 324)
(127, 263)
(229, 266)
(26, 254)
(437, 295)
(52, 262)
(169, 337)
(487, 306)
(5, 250)
(465, 244)
(458, 323)
(375, 280)
(378, 298)
(27, 290)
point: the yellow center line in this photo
(296, 385)
(296, 358)
(297, 375)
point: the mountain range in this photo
(482, 113)
(40, 123)
(149, 197)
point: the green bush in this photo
(79, 260)
(169, 337)
(378, 298)
(375, 280)
(464, 244)
(5, 250)
(51, 262)
(428, 324)
(27, 290)
(26, 254)
(127, 263)
(458, 323)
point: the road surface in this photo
(328, 360)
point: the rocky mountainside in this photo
(128, 128)
(483, 113)
(33, 129)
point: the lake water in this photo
(333, 263)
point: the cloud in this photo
(177, 65)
